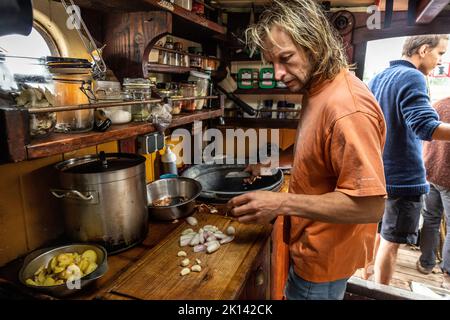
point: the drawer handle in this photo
(259, 279)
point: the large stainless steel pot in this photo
(104, 199)
(217, 189)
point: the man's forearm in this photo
(335, 207)
(442, 132)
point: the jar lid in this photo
(187, 84)
(136, 82)
(104, 162)
(199, 74)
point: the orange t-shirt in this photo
(339, 147)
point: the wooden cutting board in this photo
(224, 272)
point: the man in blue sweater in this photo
(402, 93)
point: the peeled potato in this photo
(64, 267)
(65, 259)
(49, 281)
(91, 268)
(39, 271)
(58, 269)
(84, 264)
(90, 255)
(52, 264)
(41, 277)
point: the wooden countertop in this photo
(121, 264)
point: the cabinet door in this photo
(257, 286)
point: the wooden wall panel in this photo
(12, 222)
(128, 37)
(109, 147)
(43, 217)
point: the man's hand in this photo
(256, 207)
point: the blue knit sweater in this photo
(402, 93)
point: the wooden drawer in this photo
(257, 286)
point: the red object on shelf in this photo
(198, 8)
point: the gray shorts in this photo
(400, 222)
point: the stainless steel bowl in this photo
(42, 257)
(173, 188)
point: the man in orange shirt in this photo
(337, 187)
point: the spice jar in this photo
(177, 105)
(177, 61)
(169, 43)
(186, 60)
(163, 57)
(188, 91)
(178, 46)
(138, 89)
(196, 61)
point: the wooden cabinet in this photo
(129, 30)
(257, 286)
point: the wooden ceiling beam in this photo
(427, 10)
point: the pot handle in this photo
(213, 195)
(64, 193)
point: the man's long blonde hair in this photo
(309, 29)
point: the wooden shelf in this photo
(16, 145)
(60, 143)
(186, 53)
(178, 12)
(260, 123)
(163, 68)
(264, 91)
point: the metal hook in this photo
(99, 69)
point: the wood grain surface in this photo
(224, 272)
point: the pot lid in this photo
(103, 162)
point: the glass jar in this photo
(42, 124)
(7, 82)
(164, 93)
(187, 4)
(169, 43)
(177, 105)
(71, 89)
(178, 46)
(196, 61)
(188, 91)
(138, 89)
(201, 81)
(27, 83)
(177, 59)
(171, 58)
(163, 57)
(186, 60)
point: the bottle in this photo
(157, 165)
(169, 161)
(101, 122)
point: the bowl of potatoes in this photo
(61, 271)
